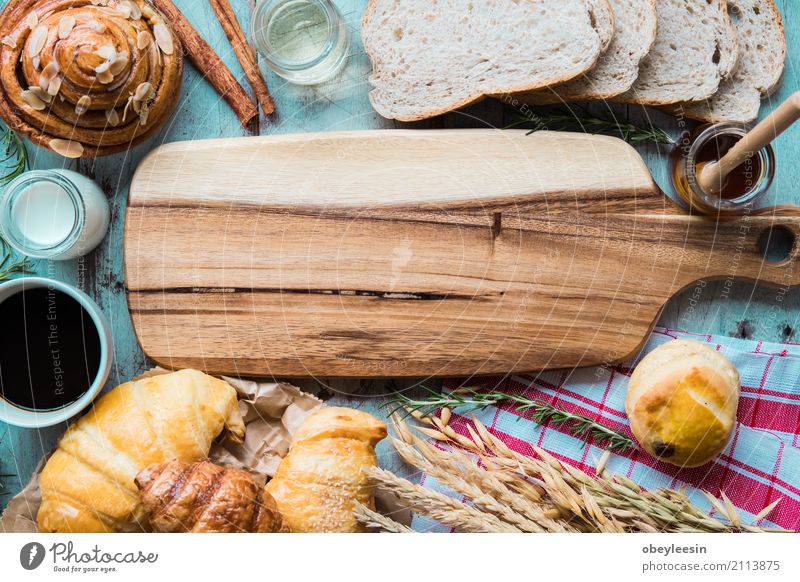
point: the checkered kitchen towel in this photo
(760, 465)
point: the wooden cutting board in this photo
(414, 253)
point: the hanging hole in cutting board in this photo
(776, 244)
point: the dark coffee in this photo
(50, 353)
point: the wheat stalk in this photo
(438, 506)
(562, 498)
(371, 518)
(485, 491)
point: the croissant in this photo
(87, 77)
(88, 484)
(319, 481)
(204, 497)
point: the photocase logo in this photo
(31, 555)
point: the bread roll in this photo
(681, 403)
(202, 497)
(318, 483)
(87, 78)
(88, 483)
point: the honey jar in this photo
(743, 187)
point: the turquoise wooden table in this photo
(741, 310)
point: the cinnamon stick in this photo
(244, 53)
(209, 63)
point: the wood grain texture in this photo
(413, 253)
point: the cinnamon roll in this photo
(87, 77)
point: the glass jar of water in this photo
(304, 41)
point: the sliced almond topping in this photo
(119, 65)
(127, 106)
(54, 86)
(124, 8)
(50, 70)
(163, 38)
(65, 26)
(107, 51)
(10, 42)
(40, 93)
(66, 148)
(137, 106)
(143, 40)
(37, 40)
(143, 115)
(142, 91)
(105, 77)
(136, 12)
(44, 80)
(33, 101)
(102, 67)
(112, 117)
(32, 20)
(83, 104)
(36, 62)
(94, 25)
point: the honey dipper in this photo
(711, 178)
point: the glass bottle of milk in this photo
(53, 214)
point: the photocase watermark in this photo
(65, 557)
(31, 555)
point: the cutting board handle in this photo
(764, 246)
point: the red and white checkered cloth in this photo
(761, 463)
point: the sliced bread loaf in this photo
(694, 51)
(434, 56)
(615, 72)
(762, 55)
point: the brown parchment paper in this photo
(272, 411)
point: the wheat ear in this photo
(439, 506)
(371, 518)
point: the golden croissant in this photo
(204, 497)
(87, 77)
(88, 484)
(322, 477)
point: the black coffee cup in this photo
(57, 351)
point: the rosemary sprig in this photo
(13, 149)
(9, 267)
(631, 133)
(578, 425)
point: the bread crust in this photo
(682, 401)
(88, 485)
(474, 98)
(632, 97)
(566, 92)
(699, 111)
(322, 477)
(43, 127)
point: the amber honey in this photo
(743, 187)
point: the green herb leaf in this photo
(578, 425)
(560, 120)
(15, 156)
(9, 267)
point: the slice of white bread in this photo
(762, 56)
(602, 16)
(615, 72)
(695, 50)
(433, 56)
